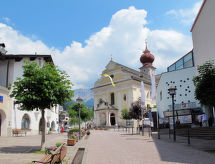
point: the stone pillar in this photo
(107, 118)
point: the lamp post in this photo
(172, 92)
(79, 101)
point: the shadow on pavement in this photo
(180, 152)
(134, 139)
(19, 149)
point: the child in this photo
(61, 129)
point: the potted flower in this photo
(88, 132)
(71, 141)
(76, 136)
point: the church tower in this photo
(147, 59)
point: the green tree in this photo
(125, 114)
(41, 88)
(205, 84)
(85, 113)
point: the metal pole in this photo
(158, 129)
(79, 116)
(173, 110)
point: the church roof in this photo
(103, 105)
(132, 75)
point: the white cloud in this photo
(122, 38)
(186, 16)
(6, 19)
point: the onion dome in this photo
(147, 58)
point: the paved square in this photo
(113, 147)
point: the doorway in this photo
(112, 119)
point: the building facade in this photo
(10, 115)
(179, 75)
(109, 101)
(203, 34)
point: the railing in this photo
(189, 105)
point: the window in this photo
(40, 62)
(179, 64)
(124, 97)
(48, 124)
(112, 99)
(188, 60)
(171, 68)
(25, 122)
(160, 95)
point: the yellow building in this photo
(109, 101)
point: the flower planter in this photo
(71, 142)
(83, 133)
(76, 139)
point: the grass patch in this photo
(38, 152)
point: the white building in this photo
(203, 33)
(179, 75)
(10, 115)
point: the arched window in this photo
(25, 122)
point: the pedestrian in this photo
(58, 129)
(200, 120)
(204, 119)
(210, 121)
(177, 122)
(61, 129)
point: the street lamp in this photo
(172, 92)
(79, 101)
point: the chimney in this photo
(2, 49)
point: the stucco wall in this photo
(5, 111)
(203, 34)
(182, 79)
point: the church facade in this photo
(109, 101)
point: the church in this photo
(109, 101)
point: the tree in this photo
(205, 84)
(41, 88)
(135, 110)
(85, 113)
(125, 114)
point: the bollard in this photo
(188, 136)
(142, 131)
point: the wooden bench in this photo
(53, 157)
(18, 131)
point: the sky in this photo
(81, 35)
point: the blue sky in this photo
(83, 33)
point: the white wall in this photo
(182, 79)
(203, 34)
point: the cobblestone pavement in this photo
(16, 150)
(113, 147)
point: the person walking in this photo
(58, 129)
(61, 129)
(200, 120)
(204, 119)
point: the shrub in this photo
(73, 130)
(73, 137)
(58, 144)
